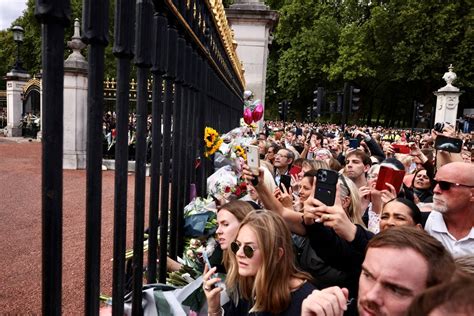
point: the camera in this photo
(439, 127)
(322, 176)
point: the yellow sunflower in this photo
(210, 136)
(240, 152)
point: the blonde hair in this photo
(269, 289)
(354, 211)
(315, 164)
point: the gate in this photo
(197, 80)
(31, 108)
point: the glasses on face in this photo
(281, 155)
(248, 250)
(445, 185)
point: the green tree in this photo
(395, 51)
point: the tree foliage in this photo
(31, 47)
(395, 51)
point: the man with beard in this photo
(400, 263)
(357, 164)
(452, 219)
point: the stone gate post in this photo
(15, 82)
(252, 22)
(75, 104)
(447, 99)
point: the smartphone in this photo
(449, 144)
(253, 159)
(206, 261)
(354, 143)
(295, 170)
(389, 175)
(326, 181)
(285, 181)
(402, 149)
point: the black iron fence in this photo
(196, 81)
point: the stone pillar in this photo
(447, 99)
(252, 22)
(75, 104)
(15, 82)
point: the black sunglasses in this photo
(445, 185)
(248, 250)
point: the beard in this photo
(439, 205)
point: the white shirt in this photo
(436, 227)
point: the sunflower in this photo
(240, 152)
(210, 136)
(216, 147)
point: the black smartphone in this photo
(449, 144)
(326, 181)
(354, 143)
(285, 180)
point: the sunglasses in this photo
(248, 250)
(445, 185)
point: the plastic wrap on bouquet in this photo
(200, 218)
(161, 299)
(223, 178)
(197, 225)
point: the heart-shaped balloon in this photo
(257, 112)
(248, 116)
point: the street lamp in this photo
(18, 35)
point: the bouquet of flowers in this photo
(212, 141)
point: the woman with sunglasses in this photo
(262, 277)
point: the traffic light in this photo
(309, 111)
(354, 99)
(340, 102)
(318, 101)
(419, 111)
(283, 108)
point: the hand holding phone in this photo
(253, 159)
(206, 261)
(326, 182)
(402, 149)
(354, 143)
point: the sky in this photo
(9, 11)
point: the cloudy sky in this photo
(9, 11)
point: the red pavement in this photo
(20, 230)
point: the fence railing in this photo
(187, 48)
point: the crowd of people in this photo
(401, 249)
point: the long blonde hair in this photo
(269, 290)
(349, 189)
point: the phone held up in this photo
(285, 180)
(449, 144)
(354, 143)
(253, 159)
(389, 175)
(402, 149)
(326, 182)
(206, 261)
(295, 170)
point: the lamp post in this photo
(18, 35)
